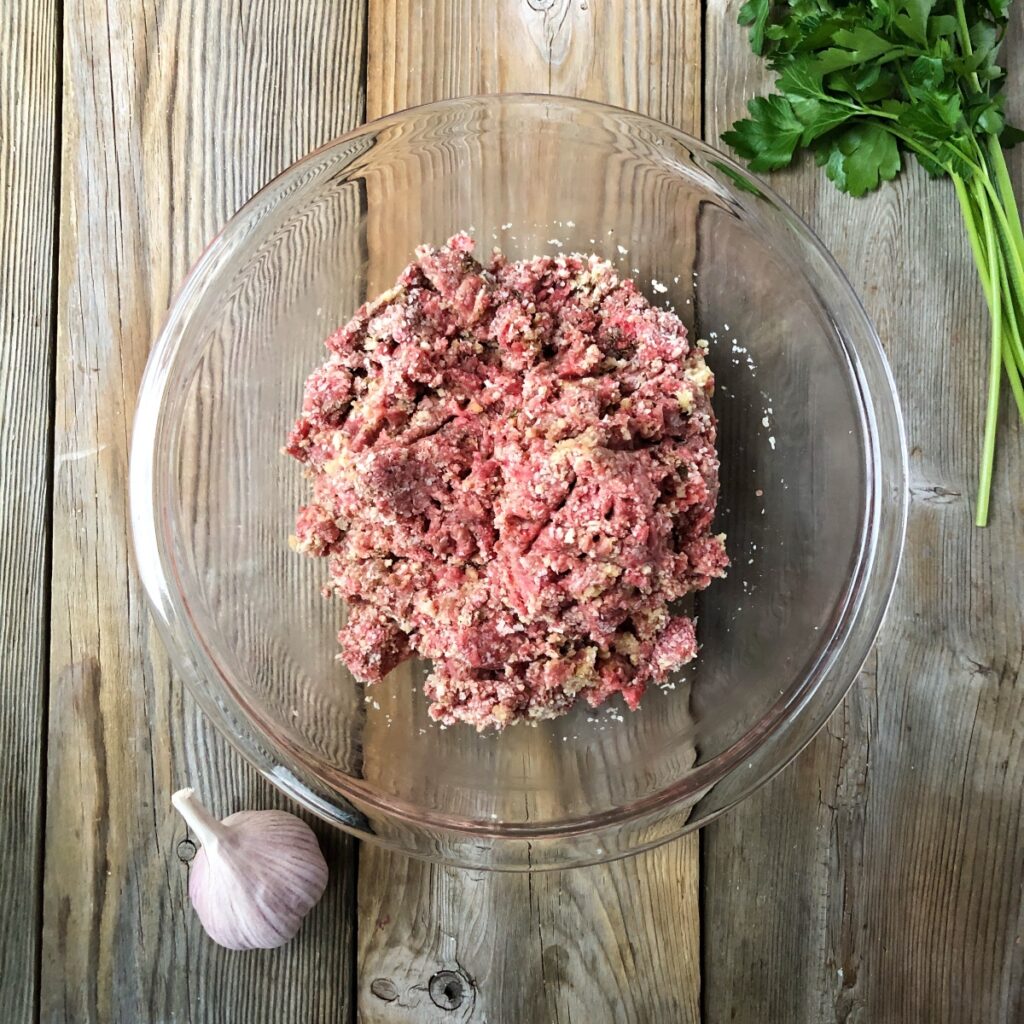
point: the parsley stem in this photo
(1015, 340)
(988, 450)
(1010, 227)
(1002, 175)
(1005, 238)
(1012, 338)
(1012, 331)
(971, 217)
(965, 43)
(1016, 387)
(916, 147)
(1013, 345)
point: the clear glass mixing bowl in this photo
(813, 481)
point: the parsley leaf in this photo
(913, 19)
(861, 157)
(755, 13)
(769, 137)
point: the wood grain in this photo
(616, 942)
(611, 943)
(28, 128)
(174, 113)
(880, 878)
(643, 56)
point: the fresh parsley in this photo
(863, 84)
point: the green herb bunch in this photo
(863, 83)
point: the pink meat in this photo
(514, 474)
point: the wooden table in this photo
(878, 879)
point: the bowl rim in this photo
(155, 561)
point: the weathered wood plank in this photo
(618, 942)
(879, 878)
(611, 943)
(28, 128)
(175, 113)
(646, 57)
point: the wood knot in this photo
(186, 850)
(934, 494)
(540, 5)
(447, 990)
(384, 988)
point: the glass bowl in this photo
(813, 481)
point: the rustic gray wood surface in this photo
(173, 114)
(28, 137)
(878, 879)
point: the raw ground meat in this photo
(513, 474)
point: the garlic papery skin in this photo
(256, 876)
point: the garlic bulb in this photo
(256, 877)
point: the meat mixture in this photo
(513, 474)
